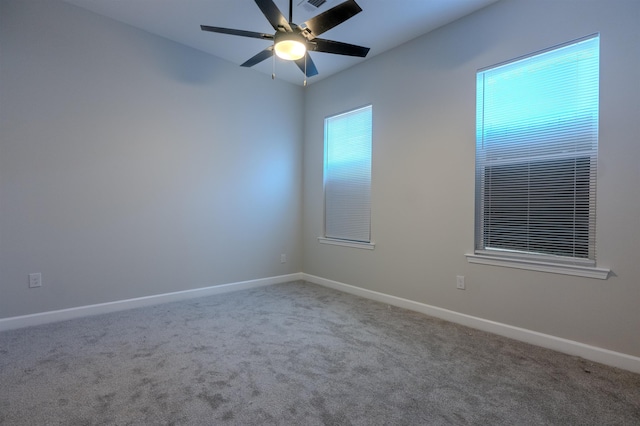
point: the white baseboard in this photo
(120, 305)
(592, 353)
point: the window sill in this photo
(353, 244)
(536, 265)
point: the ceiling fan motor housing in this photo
(290, 45)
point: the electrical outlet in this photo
(460, 282)
(283, 258)
(35, 280)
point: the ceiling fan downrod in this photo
(290, 11)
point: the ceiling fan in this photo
(293, 42)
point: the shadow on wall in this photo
(184, 64)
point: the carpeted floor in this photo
(296, 354)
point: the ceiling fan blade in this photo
(261, 56)
(273, 14)
(310, 66)
(339, 48)
(242, 33)
(332, 17)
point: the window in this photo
(347, 178)
(536, 156)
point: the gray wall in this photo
(133, 166)
(423, 97)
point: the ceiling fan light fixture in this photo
(289, 46)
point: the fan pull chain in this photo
(273, 73)
(305, 71)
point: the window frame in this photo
(333, 239)
(522, 259)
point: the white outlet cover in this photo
(35, 280)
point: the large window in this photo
(536, 156)
(347, 177)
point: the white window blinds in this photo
(347, 175)
(536, 154)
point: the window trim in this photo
(538, 265)
(344, 242)
(531, 261)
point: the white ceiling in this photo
(382, 25)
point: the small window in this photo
(537, 154)
(347, 176)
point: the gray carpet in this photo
(296, 354)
